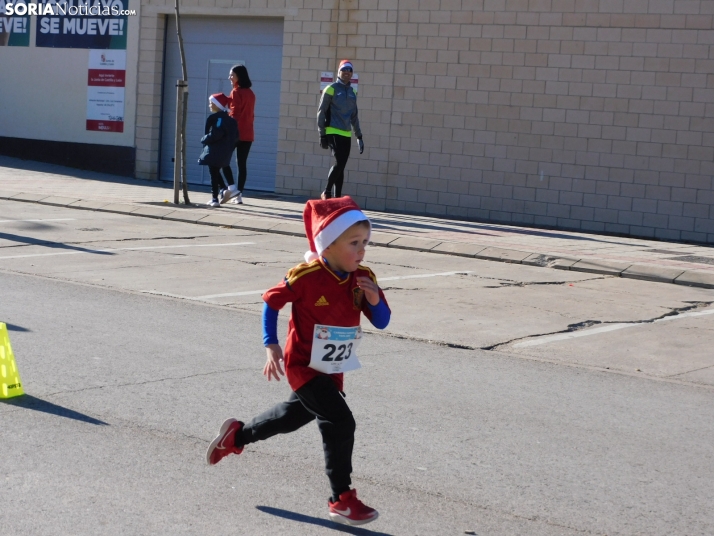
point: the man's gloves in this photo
(323, 142)
(360, 143)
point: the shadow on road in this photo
(13, 327)
(37, 404)
(301, 518)
(49, 244)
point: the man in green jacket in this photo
(336, 119)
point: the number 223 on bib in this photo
(334, 349)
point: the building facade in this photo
(591, 115)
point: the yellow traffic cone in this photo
(10, 384)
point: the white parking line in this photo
(251, 292)
(604, 329)
(52, 219)
(125, 249)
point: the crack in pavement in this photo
(589, 323)
(511, 283)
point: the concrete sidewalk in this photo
(668, 262)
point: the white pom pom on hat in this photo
(326, 219)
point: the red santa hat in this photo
(220, 100)
(345, 64)
(326, 219)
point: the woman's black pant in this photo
(319, 399)
(340, 146)
(242, 150)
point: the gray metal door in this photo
(212, 46)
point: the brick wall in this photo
(595, 115)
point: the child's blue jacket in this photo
(220, 137)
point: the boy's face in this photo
(346, 253)
(213, 107)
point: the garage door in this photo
(212, 45)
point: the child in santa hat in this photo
(221, 133)
(328, 294)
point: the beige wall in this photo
(579, 114)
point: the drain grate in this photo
(693, 258)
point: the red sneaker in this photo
(349, 510)
(225, 443)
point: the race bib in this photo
(334, 349)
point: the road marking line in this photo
(604, 329)
(124, 249)
(419, 276)
(251, 292)
(52, 219)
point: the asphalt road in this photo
(135, 338)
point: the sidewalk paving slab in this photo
(549, 261)
(58, 200)
(28, 196)
(696, 278)
(153, 212)
(460, 249)
(289, 228)
(382, 239)
(414, 243)
(88, 204)
(222, 220)
(185, 215)
(652, 273)
(119, 208)
(600, 267)
(503, 255)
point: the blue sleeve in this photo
(270, 325)
(380, 314)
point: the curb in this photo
(644, 272)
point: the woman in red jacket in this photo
(242, 109)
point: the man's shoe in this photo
(225, 443)
(349, 510)
(213, 203)
(238, 199)
(326, 195)
(220, 195)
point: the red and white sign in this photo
(105, 90)
(326, 78)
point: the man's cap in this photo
(326, 219)
(345, 64)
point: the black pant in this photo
(217, 180)
(317, 399)
(340, 146)
(242, 150)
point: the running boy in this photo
(328, 294)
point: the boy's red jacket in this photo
(318, 296)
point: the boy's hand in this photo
(371, 290)
(272, 365)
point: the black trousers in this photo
(340, 146)
(217, 180)
(242, 150)
(318, 400)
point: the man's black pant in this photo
(317, 399)
(217, 182)
(242, 150)
(340, 146)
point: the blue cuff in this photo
(380, 314)
(270, 325)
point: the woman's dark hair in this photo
(242, 75)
